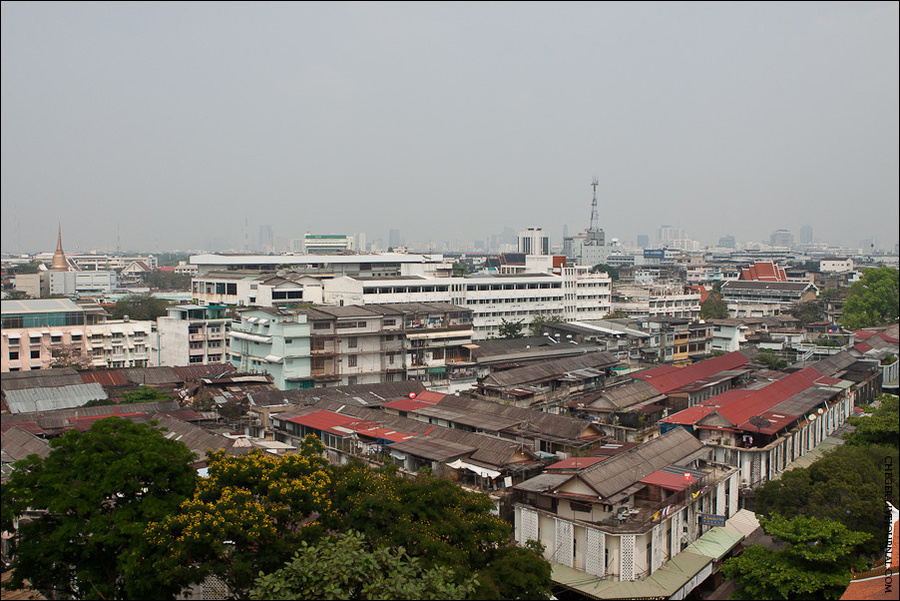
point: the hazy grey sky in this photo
(172, 125)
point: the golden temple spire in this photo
(59, 257)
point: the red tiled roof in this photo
(166, 268)
(738, 405)
(863, 347)
(667, 480)
(689, 416)
(430, 397)
(408, 404)
(667, 378)
(341, 425)
(106, 377)
(764, 271)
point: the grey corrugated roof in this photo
(621, 471)
(40, 378)
(560, 426)
(48, 399)
(18, 444)
(490, 450)
(365, 395)
(193, 437)
(431, 448)
(544, 482)
(549, 370)
(152, 375)
(59, 418)
(835, 365)
(625, 396)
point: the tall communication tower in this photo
(593, 227)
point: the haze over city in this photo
(186, 125)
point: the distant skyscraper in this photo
(534, 241)
(266, 238)
(781, 238)
(668, 234)
(394, 238)
(806, 234)
(727, 241)
(643, 240)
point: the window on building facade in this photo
(13, 355)
(351, 361)
(36, 354)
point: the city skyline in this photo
(161, 127)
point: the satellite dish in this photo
(812, 416)
(688, 476)
(412, 395)
(821, 411)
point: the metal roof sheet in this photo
(18, 443)
(431, 448)
(715, 543)
(48, 399)
(40, 378)
(667, 378)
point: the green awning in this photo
(716, 543)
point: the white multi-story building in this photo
(836, 265)
(119, 343)
(323, 244)
(374, 265)
(575, 294)
(192, 334)
(655, 301)
(248, 288)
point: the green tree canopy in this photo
(808, 312)
(99, 489)
(770, 359)
(814, 564)
(145, 394)
(511, 329)
(846, 486)
(543, 318)
(167, 280)
(439, 523)
(874, 300)
(344, 567)
(714, 307)
(140, 307)
(604, 268)
(879, 428)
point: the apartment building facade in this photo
(192, 334)
(273, 341)
(655, 301)
(40, 334)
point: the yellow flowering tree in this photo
(250, 513)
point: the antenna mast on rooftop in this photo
(593, 227)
